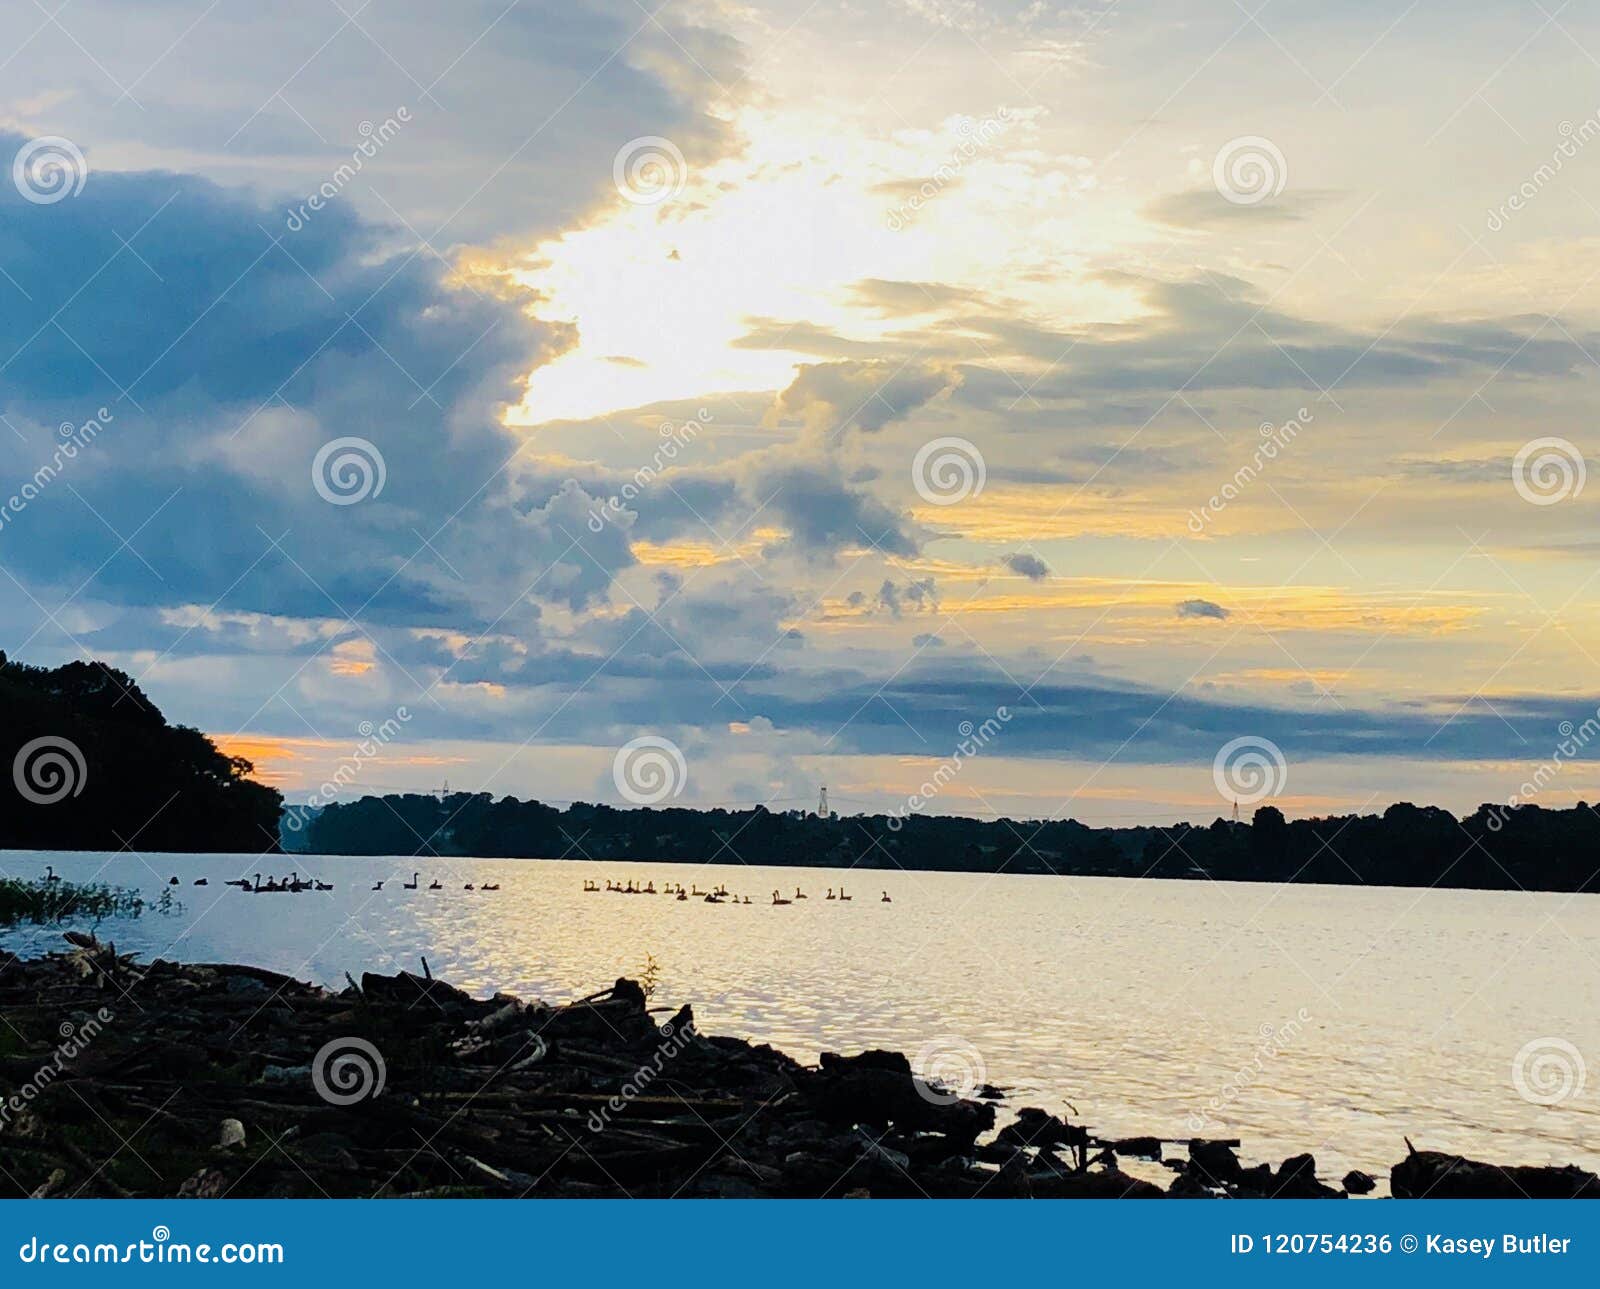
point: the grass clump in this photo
(42, 902)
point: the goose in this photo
(50, 874)
(323, 886)
(747, 899)
(412, 884)
(713, 898)
(377, 886)
(776, 900)
(490, 886)
(800, 895)
(695, 889)
(243, 883)
(257, 886)
(200, 881)
(172, 881)
(843, 896)
(831, 895)
(435, 885)
(468, 887)
(681, 894)
(886, 899)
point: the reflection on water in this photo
(1329, 1019)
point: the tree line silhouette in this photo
(1528, 848)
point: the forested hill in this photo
(89, 763)
(1529, 848)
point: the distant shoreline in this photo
(1528, 848)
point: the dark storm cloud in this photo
(276, 96)
(1030, 566)
(228, 351)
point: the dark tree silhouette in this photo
(1529, 848)
(115, 775)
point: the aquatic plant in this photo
(41, 902)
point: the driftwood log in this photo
(119, 1078)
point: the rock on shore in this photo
(121, 1078)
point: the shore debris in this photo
(1430, 1174)
(215, 1079)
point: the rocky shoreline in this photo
(164, 1079)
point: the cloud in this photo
(920, 595)
(1207, 208)
(829, 397)
(278, 101)
(228, 352)
(821, 511)
(1030, 566)
(1202, 609)
(911, 299)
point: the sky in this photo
(1197, 394)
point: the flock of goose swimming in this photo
(717, 895)
(294, 884)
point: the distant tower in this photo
(822, 803)
(1236, 810)
(445, 792)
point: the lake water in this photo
(1328, 1019)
